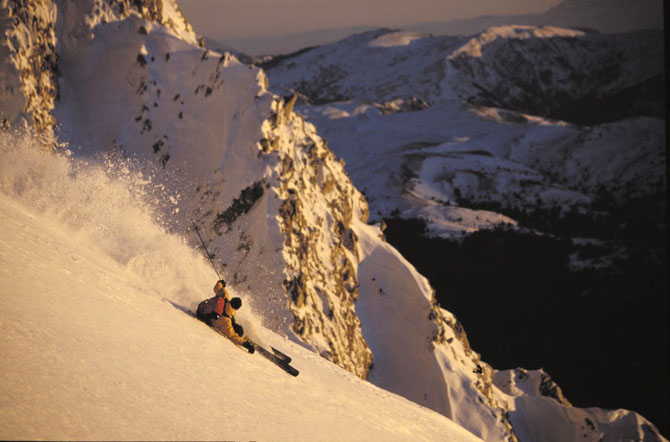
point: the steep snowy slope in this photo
(286, 224)
(131, 87)
(95, 336)
(278, 211)
(95, 344)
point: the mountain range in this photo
(614, 16)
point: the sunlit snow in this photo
(96, 346)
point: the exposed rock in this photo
(240, 206)
(29, 87)
(317, 286)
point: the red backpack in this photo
(208, 306)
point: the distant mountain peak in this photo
(517, 32)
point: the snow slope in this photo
(227, 149)
(95, 336)
(96, 346)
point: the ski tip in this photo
(282, 356)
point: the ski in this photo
(277, 360)
(276, 357)
(281, 355)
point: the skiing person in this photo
(219, 312)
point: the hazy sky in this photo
(235, 19)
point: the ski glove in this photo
(249, 346)
(213, 316)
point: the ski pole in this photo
(205, 247)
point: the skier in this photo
(219, 312)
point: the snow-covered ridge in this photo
(474, 47)
(523, 68)
(29, 43)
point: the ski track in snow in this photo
(93, 347)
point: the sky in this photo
(233, 21)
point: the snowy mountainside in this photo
(488, 90)
(376, 66)
(409, 115)
(94, 347)
(543, 71)
(286, 225)
(423, 168)
(278, 211)
(29, 43)
(533, 70)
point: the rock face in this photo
(282, 219)
(318, 208)
(29, 50)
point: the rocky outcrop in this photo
(318, 207)
(28, 82)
